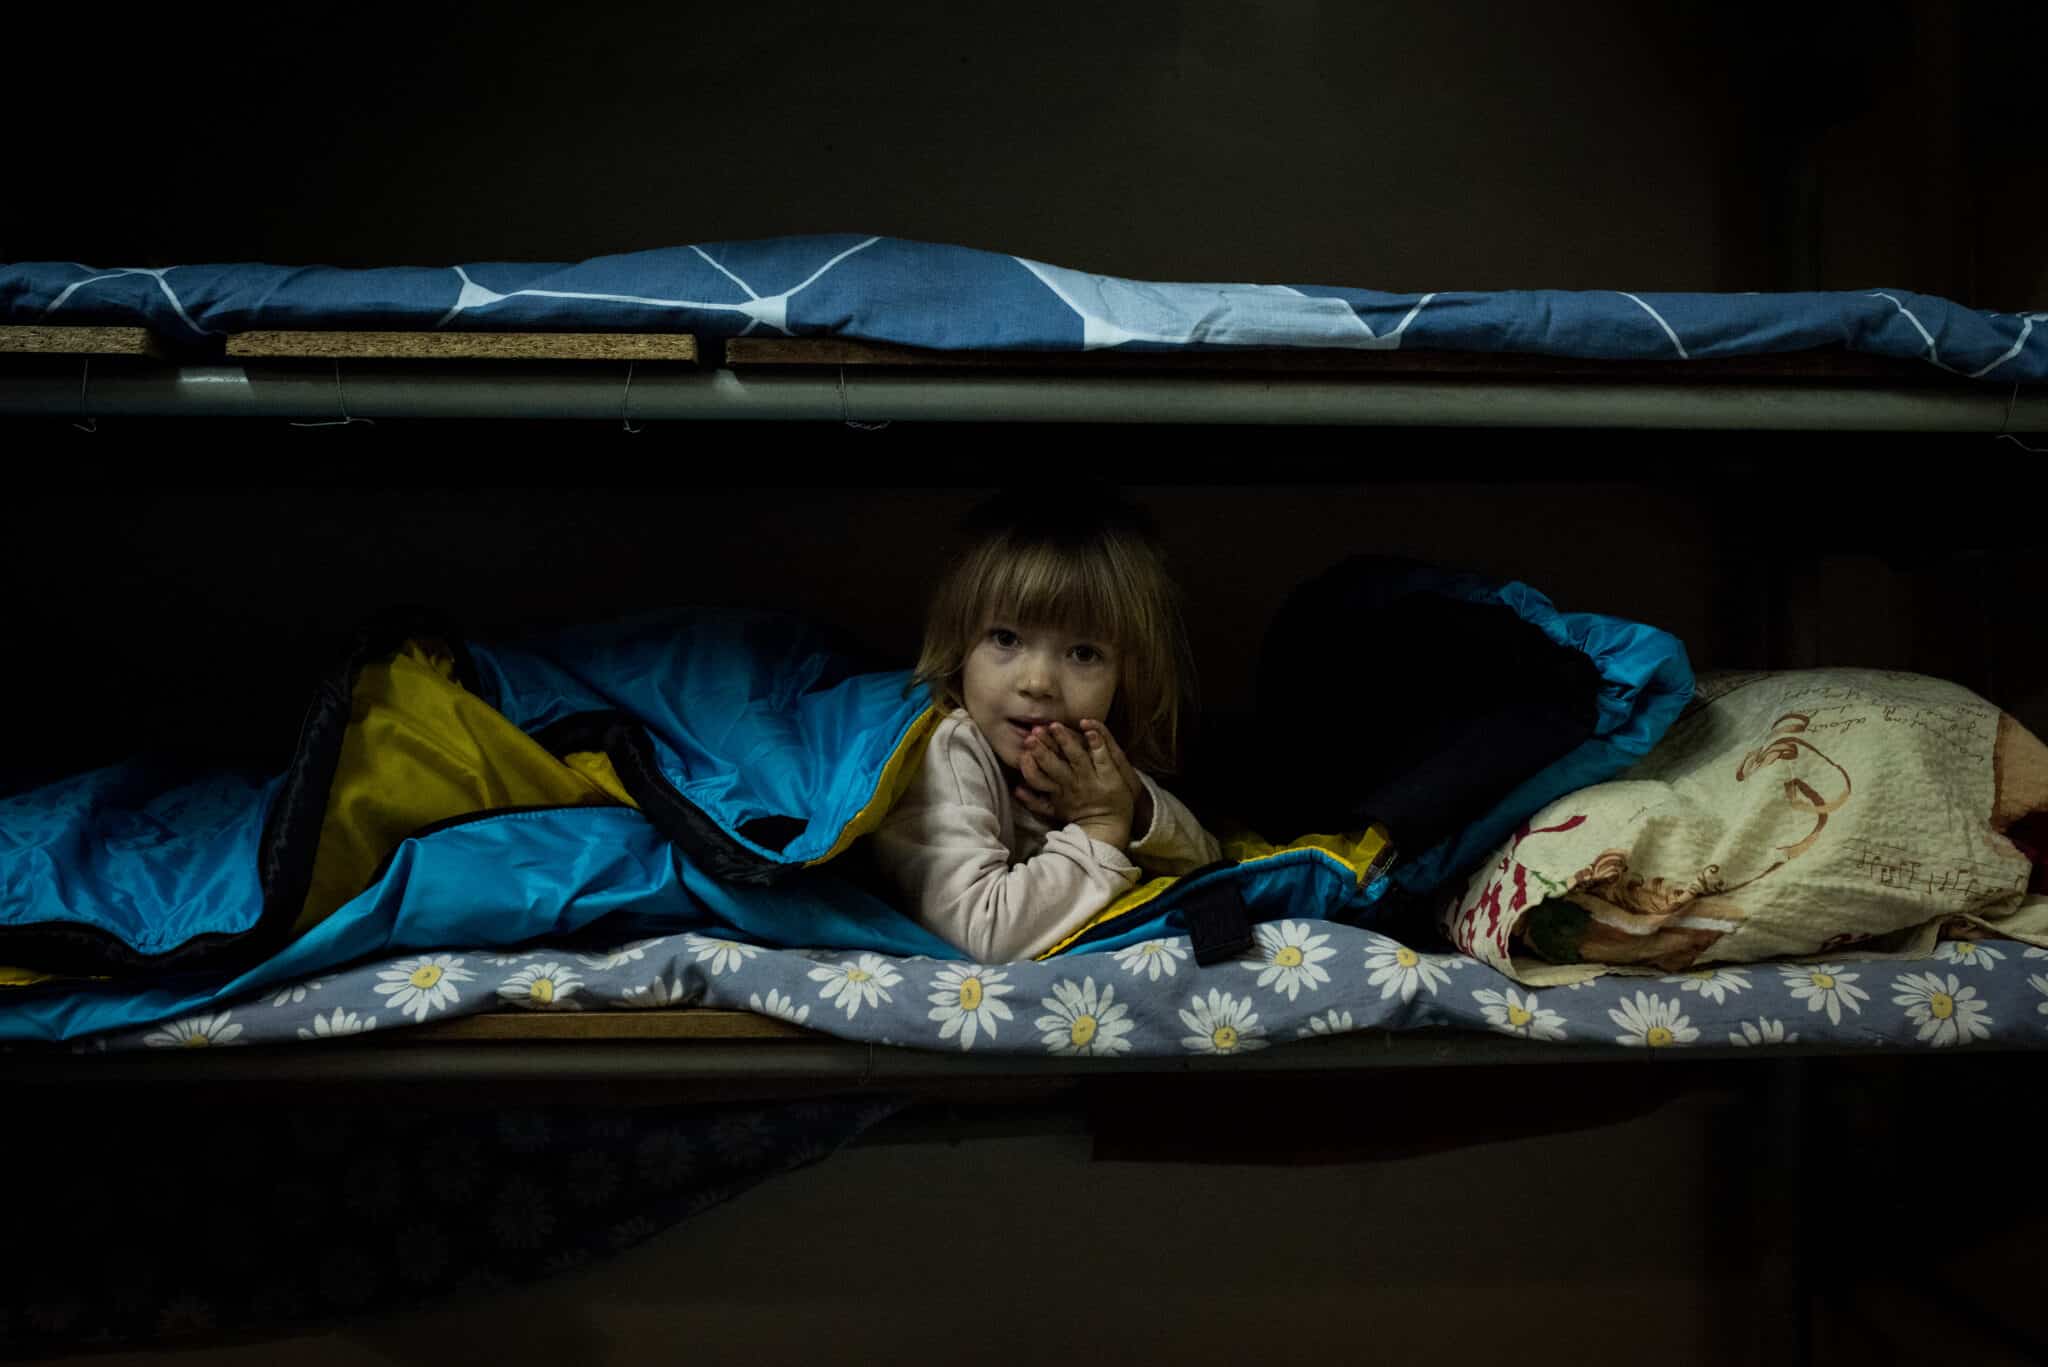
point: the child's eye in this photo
(1005, 638)
(1086, 654)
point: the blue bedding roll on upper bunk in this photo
(924, 294)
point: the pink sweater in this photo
(992, 878)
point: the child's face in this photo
(1018, 676)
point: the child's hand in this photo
(1083, 779)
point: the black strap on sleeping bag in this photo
(1219, 925)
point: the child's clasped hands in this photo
(1081, 778)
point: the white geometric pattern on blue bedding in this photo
(1304, 979)
(957, 298)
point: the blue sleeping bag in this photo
(702, 770)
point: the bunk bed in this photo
(867, 332)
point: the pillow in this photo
(1846, 813)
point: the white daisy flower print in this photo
(56, 1315)
(1288, 958)
(1080, 1022)
(1762, 1031)
(2039, 984)
(1712, 983)
(372, 1187)
(2033, 953)
(195, 1032)
(742, 1137)
(663, 1159)
(1221, 1024)
(426, 984)
(1968, 954)
(1945, 1010)
(593, 1178)
(347, 1277)
(620, 957)
(1824, 987)
(294, 993)
(1652, 1022)
(781, 1007)
(542, 987)
(721, 956)
(342, 1022)
(1331, 1022)
(524, 1131)
(186, 1315)
(965, 1001)
(657, 993)
(420, 1252)
(521, 1216)
(853, 983)
(1399, 969)
(507, 960)
(1509, 1012)
(608, 1125)
(453, 1166)
(1155, 959)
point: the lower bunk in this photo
(1305, 980)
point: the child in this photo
(1053, 636)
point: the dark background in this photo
(1733, 145)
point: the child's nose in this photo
(1036, 676)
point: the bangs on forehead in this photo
(1090, 568)
(1040, 585)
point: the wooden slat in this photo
(1824, 364)
(609, 1025)
(81, 341)
(468, 346)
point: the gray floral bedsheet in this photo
(1303, 979)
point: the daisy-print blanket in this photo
(341, 1212)
(1304, 979)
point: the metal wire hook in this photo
(341, 399)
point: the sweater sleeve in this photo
(942, 844)
(1175, 843)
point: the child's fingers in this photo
(1070, 745)
(1095, 736)
(1034, 802)
(1033, 774)
(1091, 766)
(1125, 769)
(1050, 762)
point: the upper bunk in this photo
(872, 329)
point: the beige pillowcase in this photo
(1841, 812)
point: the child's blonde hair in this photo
(1086, 563)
